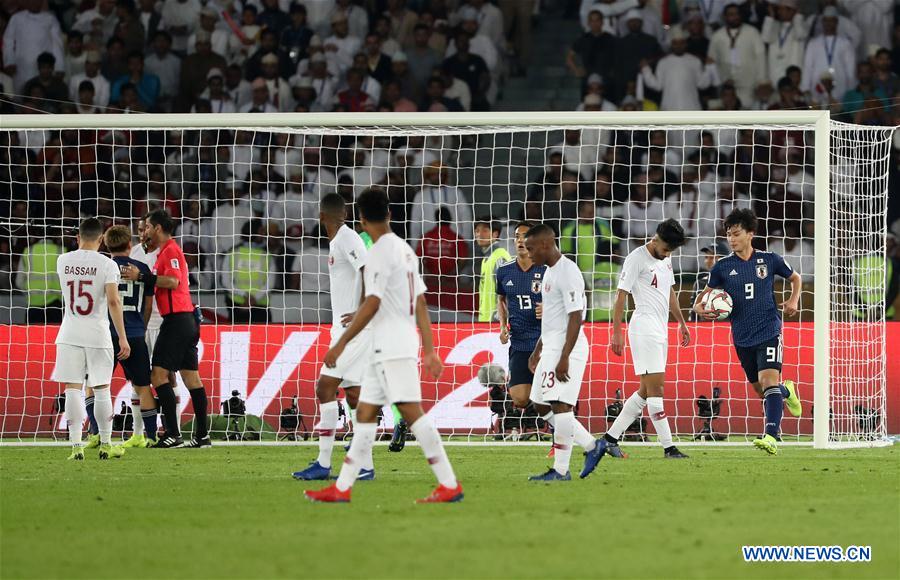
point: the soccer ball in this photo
(490, 374)
(720, 302)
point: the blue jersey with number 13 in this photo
(522, 289)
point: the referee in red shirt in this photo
(176, 347)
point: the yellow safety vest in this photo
(249, 268)
(487, 285)
(42, 281)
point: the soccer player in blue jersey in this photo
(519, 307)
(748, 275)
(137, 298)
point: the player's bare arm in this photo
(431, 361)
(362, 318)
(617, 344)
(675, 308)
(148, 309)
(503, 315)
(114, 303)
(573, 330)
(791, 306)
(536, 355)
(347, 317)
(698, 306)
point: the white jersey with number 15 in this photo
(392, 275)
(83, 276)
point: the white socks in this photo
(563, 437)
(631, 410)
(430, 441)
(327, 426)
(660, 421)
(360, 448)
(583, 437)
(103, 413)
(75, 415)
(136, 417)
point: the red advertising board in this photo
(271, 364)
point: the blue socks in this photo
(93, 429)
(784, 392)
(149, 417)
(773, 399)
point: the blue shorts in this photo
(763, 356)
(137, 366)
(518, 368)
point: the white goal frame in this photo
(818, 121)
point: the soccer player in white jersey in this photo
(561, 354)
(647, 276)
(84, 349)
(394, 307)
(346, 258)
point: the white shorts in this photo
(83, 366)
(648, 353)
(351, 364)
(391, 381)
(150, 337)
(546, 388)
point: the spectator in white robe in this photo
(435, 193)
(785, 33)
(739, 54)
(680, 76)
(91, 73)
(340, 46)
(875, 19)
(846, 27)
(180, 18)
(830, 53)
(29, 33)
(651, 22)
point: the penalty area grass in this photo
(235, 512)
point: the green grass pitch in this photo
(235, 512)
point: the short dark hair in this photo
(136, 54)
(373, 204)
(489, 222)
(523, 224)
(333, 203)
(90, 229)
(540, 230)
(671, 232)
(164, 34)
(161, 218)
(86, 85)
(46, 58)
(743, 217)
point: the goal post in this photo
(494, 162)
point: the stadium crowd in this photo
(257, 194)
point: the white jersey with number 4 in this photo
(346, 257)
(141, 255)
(649, 281)
(392, 275)
(83, 276)
(562, 293)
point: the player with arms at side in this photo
(90, 283)
(394, 307)
(560, 355)
(748, 275)
(176, 345)
(519, 310)
(346, 259)
(137, 303)
(647, 276)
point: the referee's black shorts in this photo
(137, 366)
(176, 346)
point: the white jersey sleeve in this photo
(347, 255)
(392, 276)
(571, 285)
(83, 276)
(629, 274)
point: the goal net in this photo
(245, 190)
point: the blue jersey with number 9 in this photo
(751, 285)
(522, 289)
